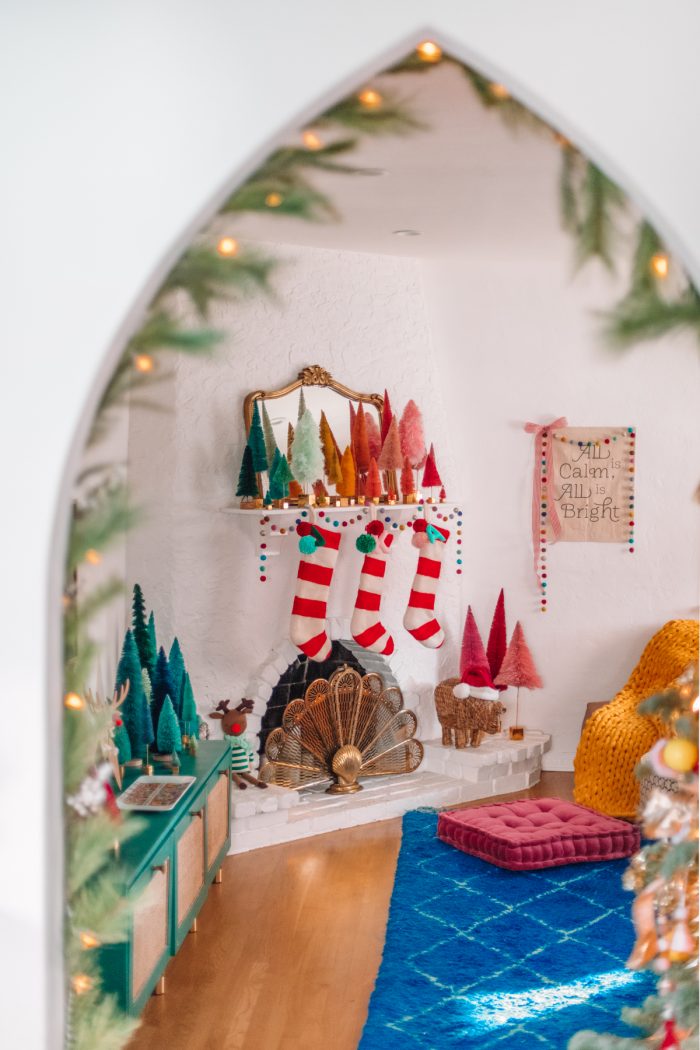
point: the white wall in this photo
(360, 316)
(115, 135)
(518, 340)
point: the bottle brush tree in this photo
(387, 416)
(140, 627)
(374, 437)
(269, 435)
(347, 487)
(283, 478)
(302, 404)
(290, 441)
(154, 643)
(256, 442)
(373, 486)
(162, 685)
(412, 436)
(518, 667)
(497, 644)
(148, 728)
(247, 480)
(431, 477)
(176, 663)
(122, 742)
(408, 485)
(391, 459)
(168, 737)
(473, 663)
(190, 717)
(360, 443)
(276, 490)
(307, 455)
(133, 710)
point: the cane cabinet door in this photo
(150, 937)
(190, 868)
(218, 818)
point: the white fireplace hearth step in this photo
(446, 777)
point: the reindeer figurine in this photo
(234, 725)
(99, 705)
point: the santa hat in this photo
(474, 666)
(481, 686)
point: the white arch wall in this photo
(122, 122)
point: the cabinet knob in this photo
(159, 867)
(197, 813)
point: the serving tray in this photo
(155, 794)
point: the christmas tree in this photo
(353, 417)
(283, 477)
(154, 643)
(331, 462)
(431, 478)
(518, 667)
(391, 460)
(168, 737)
(360, 444)
(319, 489)
(302, 404)
(387, 416)
(122, 742)
(664, 877)
(307, 455)
(411, 434)
(142, 635)
(276, 486)
(133, 709)
(347, 486)
(497, 644)
(176, 663)
(148, 730)
(256, 443)
(269, 435)
(290, 440)
(247, 481)
(373, 487)
(473, 664)
(408, 486)
(190, 717)
(374, 437)
(162, 685)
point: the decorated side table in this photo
(167, 870)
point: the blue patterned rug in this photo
(476, 956)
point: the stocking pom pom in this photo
(365, 543)
(307, 544)
(375, 528)
(420, 539)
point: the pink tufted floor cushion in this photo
(537, 833)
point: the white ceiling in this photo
(469, 183)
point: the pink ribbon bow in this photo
(538, 431)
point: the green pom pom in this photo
(365, 543)
(307, 544)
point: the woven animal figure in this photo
(465, 721)
(345, 727)
(234, 725)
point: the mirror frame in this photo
(312, 375)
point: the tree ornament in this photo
(94, 793)
(497, 644)
(307, 455)
(431, 477)
(412, 436)
(168, 737)
(256, 442)
(387, 416)
(373, 486)
(269, 435)
(374, 437)
(347, 487)
(360, 443)
(247, 481)
(680, 755)
(671, 1040)
(142, 635)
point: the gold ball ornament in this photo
(680, 755)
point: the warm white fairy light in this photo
(93, 557)
(499, 91)
(429, 51)
(227, 246)
(370, 98)
(143, 363)
(74, 702)
(311, 140)
(659, 265)
(273, 200)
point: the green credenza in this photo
(167, 870)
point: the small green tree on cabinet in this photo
(176, 663)
(148, 729)
(142, 637)
(122, 742)
(134, 710)
(190, 717)
(168, 739)
(162, 686)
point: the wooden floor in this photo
(288, 945)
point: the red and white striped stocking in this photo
(366, 626)
(319, 550)
(419, 619)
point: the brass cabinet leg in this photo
(194, 927)
(160, 987)
(219, 877)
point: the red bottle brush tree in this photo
(473, 662)
(497, 644)
(518, 667)
(408, 485)
(391, 459)
(374, 437)
(373, 485)
(360, 443)
(387, 416)
(431, 477)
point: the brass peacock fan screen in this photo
(346, 727)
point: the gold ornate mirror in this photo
(320, 384)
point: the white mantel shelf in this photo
(361, 509)
(446, 777)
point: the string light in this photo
(311, 140)
(227, 246)
(370, 98)
(659, 264)
(81, 983)
(143, 363)
(93, 557)
(74, 702)
(499, 91)
(89, 940)
(273, 200)
(429, 51)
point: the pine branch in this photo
(100, 525)
(204, 275)
(96, 1021)
(572, 167)
(646, 316)
(288, 159)
(648, 244)
(512, 112)
(391, 117)
(295, 198)
(601, 201)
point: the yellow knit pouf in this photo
(615, 737)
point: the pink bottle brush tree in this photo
(518, 669)
(412, 436)
(497, 644)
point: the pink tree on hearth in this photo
(518, 667)
(473, 663)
